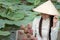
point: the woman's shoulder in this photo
(37, 18)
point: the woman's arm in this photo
(33, 26)
(55, 28)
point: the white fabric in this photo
(47, 8)
(35, 27)
(45, 28)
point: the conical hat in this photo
(47, 8)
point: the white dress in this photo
(45, 29)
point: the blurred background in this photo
(13, 13)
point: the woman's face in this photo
(44, 16)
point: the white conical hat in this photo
(47, 8)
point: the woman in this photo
(46, 26)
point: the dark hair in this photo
(51, 24)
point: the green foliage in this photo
(34, 2)
(31, 1)
(2, 24)
(26, 7)
(58, 7)
(4, 33)
(14, 12)
(37, 2)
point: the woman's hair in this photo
(51, 24)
